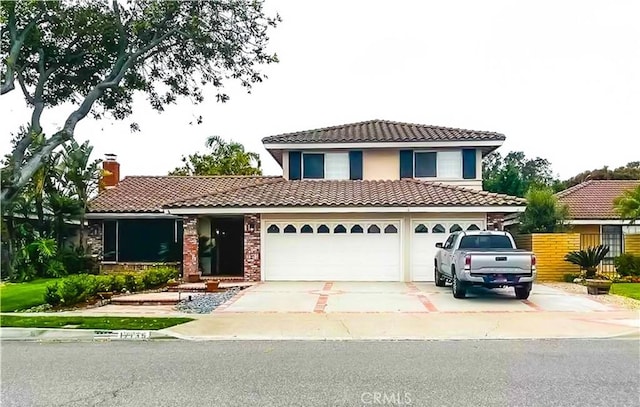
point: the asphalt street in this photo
(289, 373)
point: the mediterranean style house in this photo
(365, 201)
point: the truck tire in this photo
(439, 278)
(522, 293)
(457, 288)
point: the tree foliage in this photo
(629, 171)
(514, 174)
(543, 213)
(225, 158)
(628, 205)
(96, 55)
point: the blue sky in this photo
(560, 79)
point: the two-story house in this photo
(357, 202)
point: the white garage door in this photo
(424, 236)
(332, 251)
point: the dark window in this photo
(356, 229)
(469, 163)
(290, 229)
(295, 163)
(406, 163)
(355, 164)
(390, 229)
(438, 229)
(147, 240)
(273, 229)
(339, 229)
(426, 164)
(313, 166)
(306, 229)
(373, 229)
(109, 238)
(485, 242)
(448, 244)
(421, 229)
(473, 227)
(323, 229)
(455, 228)
(612, 238)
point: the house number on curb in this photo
(123, 335)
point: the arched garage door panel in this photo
(424, 236)
(332, 251)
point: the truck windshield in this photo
(485, 242)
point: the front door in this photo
(228, 251)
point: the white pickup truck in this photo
(487, 259)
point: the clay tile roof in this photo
(325, 193)
(150, 193)
(382, 131)
(594, 199)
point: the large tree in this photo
(514, 174)
(95, 55)
(629, 171)
(225, 158)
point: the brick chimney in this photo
(111, 172)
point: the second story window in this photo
(325, 166)
(432, 164)
(450, 164)
(313, 166)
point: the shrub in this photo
(51, 295)
(130, 282)
(588, 259)
(72, 290)
(627, 265)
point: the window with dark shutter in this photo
(406, 163)
(469, 163)
(355, 164)
(426, 164)
(295, 162)
(313, 166)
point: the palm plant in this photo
(588, 259)
(81, 176)
(628, 205)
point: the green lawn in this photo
(18, 296)
(80, 322)
(631, 290)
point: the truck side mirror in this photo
(439, 245)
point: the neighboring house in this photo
(592, 214)
(364, 201)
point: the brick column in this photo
(252, 247)
(190, 271)
(495, 221)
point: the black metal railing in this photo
(613, 241)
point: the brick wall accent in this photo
(252, 247)
(190, 269)
(495, 221)
(632, 244)
(94, 238)
(550, 249)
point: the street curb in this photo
(62, 334)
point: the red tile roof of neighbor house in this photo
(594, 199)
(327, 193)
(151, 194)
(382, 131)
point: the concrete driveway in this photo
(396, 297)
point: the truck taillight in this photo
(533, 260)
(467, 261)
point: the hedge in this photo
(82, 287)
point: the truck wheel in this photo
(458, 290)
(522, 293)
(439, 278)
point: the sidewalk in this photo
(406, 326)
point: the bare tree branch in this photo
(16, 46)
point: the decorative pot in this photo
(595, 287)
(212, 286)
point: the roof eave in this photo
(491, 144)
(344, 209)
